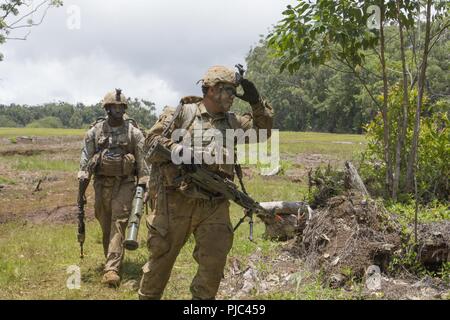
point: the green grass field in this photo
(41, 163)
(39, 132)
(34, 258)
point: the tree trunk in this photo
(401, 135)
(292, 219)
(412, 160)
(384, 111)
(353, 179)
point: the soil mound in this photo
(347, 235)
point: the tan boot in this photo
(111, 278)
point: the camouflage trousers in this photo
(174, 218)
(113, 199)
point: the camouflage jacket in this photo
(193, 116)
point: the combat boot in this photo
(111, 278)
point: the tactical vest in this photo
(192, 121)
(202, 137)
(114, 152)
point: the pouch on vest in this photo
(129, 165)
(110, 164)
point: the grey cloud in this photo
(172, 40)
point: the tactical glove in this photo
(251, 94)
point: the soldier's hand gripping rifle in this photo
(81, 201)
(212, 183)
(130, 242)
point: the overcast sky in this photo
(155, 50)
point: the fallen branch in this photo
(294, 215)
(38, 186)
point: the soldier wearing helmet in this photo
(112, 153)
(181, 209)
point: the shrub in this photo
(7, 122)
(47, 122)
(433, 170)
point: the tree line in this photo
(399, 61)
(66, 115)
(331, 98)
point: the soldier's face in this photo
(115, 111)
(224, 95)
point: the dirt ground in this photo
(347, 245)
(39, 196)
(350, 243)
(288, 271)
(58, 215)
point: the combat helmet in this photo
(114, 97)
(217, 74)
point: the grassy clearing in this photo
(339, 151)
(34, 265)
(342, 146)
(40, 132)
(34, 259)
(40, 163)
(4, 180)
(339, 146)
(35, 163)
(290, 136)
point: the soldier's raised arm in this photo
(261, 116)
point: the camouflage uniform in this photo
(179, 209)
(114, 156)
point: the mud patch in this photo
(58, 215)
(7, 217)
(40, 145)
(24, 152)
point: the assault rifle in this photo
(81, 201)
(214, 185)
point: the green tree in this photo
(142, 111)
(47, 122)
(324, 31)
(17, 16)
(76, 120)
(7, 122)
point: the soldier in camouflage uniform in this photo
(179, 208)
(112, 153)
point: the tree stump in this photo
(289, 219)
